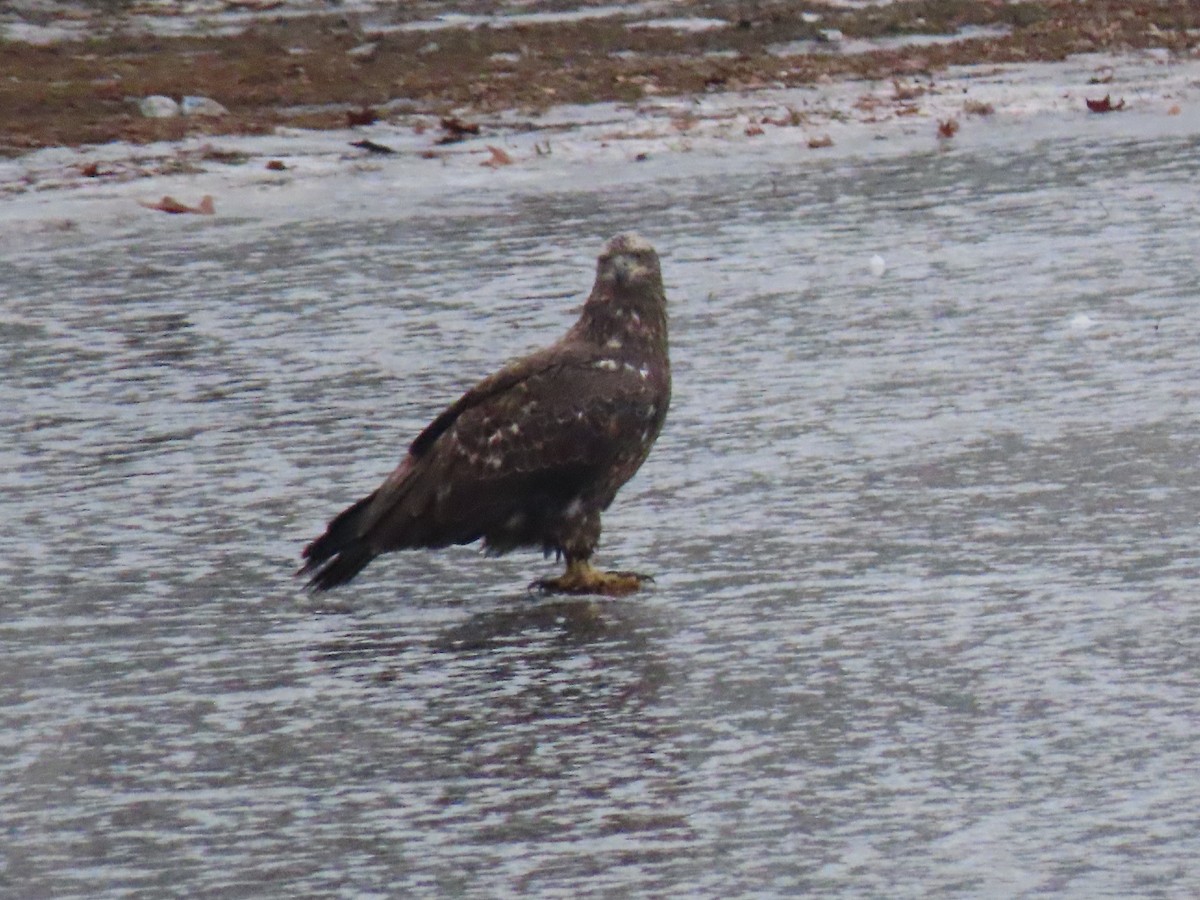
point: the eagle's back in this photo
(514, 466)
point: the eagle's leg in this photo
(581, 577)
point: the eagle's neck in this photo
(622, 320)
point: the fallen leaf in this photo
(817, 143)
(456, 130)
(214, 154)
(905, 92)
(978, 108)
(497, 159)
(90, 170)
(911, 110)
(169, 204)
(362, 116)
(372, 147)
(276, 165)
(947, 128)
(753, 131)
(1105, 105)
(1174, 110)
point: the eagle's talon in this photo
(582, 578)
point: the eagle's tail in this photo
(341, 552)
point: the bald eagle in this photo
(532, 455)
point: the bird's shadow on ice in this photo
(538, 624)
(573, 621)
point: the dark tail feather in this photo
(341, 552)
(340, 569)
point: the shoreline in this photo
(282, 66)
(460, 155)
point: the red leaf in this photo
(363, 116)
(1105, 105)
(497, 159)
(456, 130)
(171, 205)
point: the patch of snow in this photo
(834, 41)
(690, 23)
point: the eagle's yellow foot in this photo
(582, 578)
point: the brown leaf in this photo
(372, 147)
(456, 130)
(1174, 110)
(1106, 105)
(169, 204)
(978, 108)
(947, 128)
(753, 131)
(276, 165)
(906, 92)
(817, 143)
(497, 159)
(362, 116)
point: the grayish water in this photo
(925, 621)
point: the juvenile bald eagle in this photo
(532, 455)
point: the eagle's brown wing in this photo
(565, 423)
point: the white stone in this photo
(158, 107)
(202, 106)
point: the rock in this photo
(202, 106)
(158, 107)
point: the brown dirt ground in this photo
(77, 93)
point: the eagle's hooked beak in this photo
(623, 269)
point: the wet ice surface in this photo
(925, 542)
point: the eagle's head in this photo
(627, 309)
(629, 261)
